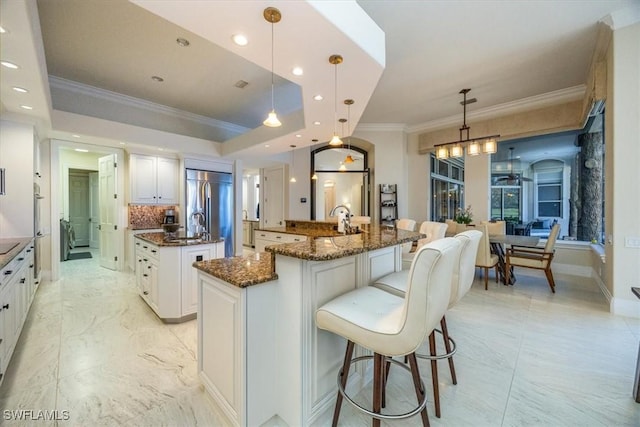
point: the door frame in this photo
(56, 185)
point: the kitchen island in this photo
(260, 355)
(164, 277)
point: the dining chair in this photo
(461, 281)
(391, 326)
(433, 230)
(451, 226)
(495, 227)
(485, 259)
(534, 257)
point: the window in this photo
(550, 200)
(447, 188)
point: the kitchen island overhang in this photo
(260, 354)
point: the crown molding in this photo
(623, 17)
(526, 104)
(92, 91)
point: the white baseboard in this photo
(625, 307)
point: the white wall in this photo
(16, 157)
(477, 186)
(622, 154)
(299, 166)
(418, 182)
(389, 164)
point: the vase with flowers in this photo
(463, 216)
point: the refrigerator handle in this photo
(207, 207)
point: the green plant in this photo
(463, 216)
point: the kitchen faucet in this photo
(200, 231)
(346, 220)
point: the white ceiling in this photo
(504, 51)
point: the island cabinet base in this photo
(260, 354)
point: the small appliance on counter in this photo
(169, 224)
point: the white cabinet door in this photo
(189, 274)
(143, 178)
(168, 181)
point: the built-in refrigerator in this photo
(209, 206)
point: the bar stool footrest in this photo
(411, 413)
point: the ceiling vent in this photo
(241, 84)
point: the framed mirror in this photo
(341, 178)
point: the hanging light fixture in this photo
(335, 60)
(456, 148)
(272, 15)
(293, 164)
(348, 103)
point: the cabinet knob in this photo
(8, 272)
(145, 274)
(23, 280)
(145, 260)
(154, 251)
(149, 267)
(139, 260)
(21, 259)
(31, 266)
(145, 292)
(5, 307)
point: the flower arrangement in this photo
(463, 216)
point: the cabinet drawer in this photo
(279, 237)
(147, 249)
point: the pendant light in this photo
(272, 15)
(349, 103)
(485, 144)
(293, 163)
(335, 60)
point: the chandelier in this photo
(456, 148)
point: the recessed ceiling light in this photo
(182, 42)
(316, 122)
(297, 71)
(81, 150)
(26, 107)
(298, 135)
(2, 30)
(318, 98)
(157, 79)
(160, 149)
(9, 65)
(123, 143)
(266, 146)
(75, 135)
(20, 89)
(240, 39)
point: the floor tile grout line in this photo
(525, 322)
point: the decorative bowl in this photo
(170, 228)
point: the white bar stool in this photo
(391, 326)
(461, 281)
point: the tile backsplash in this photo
(145, 216)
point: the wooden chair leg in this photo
(486, 278)
(552, 283)
(434, 373)
(413, 364)
(497, 273)
(348, 354)
(447, 346)
(378, 379)
(507, 273)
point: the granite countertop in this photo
(9, 256)
(309, 232)
(328, 248)
(159, 240)
(241, 271)
(143, 227)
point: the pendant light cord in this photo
(272, 56)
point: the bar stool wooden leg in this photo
(447, 346)
(434, 373)
(348, 354)
(378, 379)
(413, 363)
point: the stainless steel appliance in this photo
(209, 206)
(169, 216)
(37, 257)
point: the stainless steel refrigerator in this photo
(209, 206)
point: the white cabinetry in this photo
(17, 288)
(266, 238)
(165, 277)
(130, 250)
(154, 180)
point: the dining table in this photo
(498, 242)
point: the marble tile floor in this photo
(525, 357)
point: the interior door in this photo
(94, 210)
(273, 211)
(79, 214)
(108, 211)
